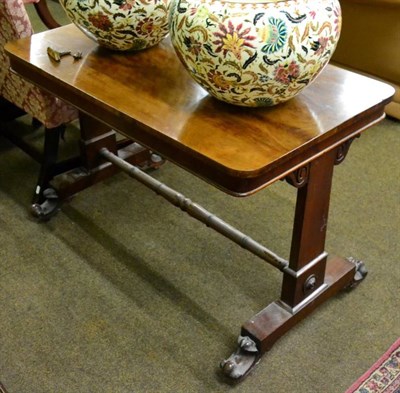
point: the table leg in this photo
(312, 277)
(93, 168)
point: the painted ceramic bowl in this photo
(122, 25)
(254, 52)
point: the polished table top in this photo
(149, 97)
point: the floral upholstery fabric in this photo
(49, 110)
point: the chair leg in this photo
(2, 389)
(45, 200)
(36, 123)
(8, 111)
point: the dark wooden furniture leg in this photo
(93, 168)
(312, 277)
(45, 201)
(2, 388)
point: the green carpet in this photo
(123, 293)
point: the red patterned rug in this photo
(383, 376)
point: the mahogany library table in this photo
(149, 98)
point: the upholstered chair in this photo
(19, 97)
(370, 42)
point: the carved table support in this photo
(95, 135)
(307, 255)
(311, 278)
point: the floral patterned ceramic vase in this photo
(122, 25)
(254, 52)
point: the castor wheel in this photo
(242, 361)
(47, 209)
(360, 273)
(155, 161)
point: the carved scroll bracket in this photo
(299, 177)
(342, 150)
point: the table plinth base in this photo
(80, 178)
(260, 332)
(70, 181)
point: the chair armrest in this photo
(45, 15)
